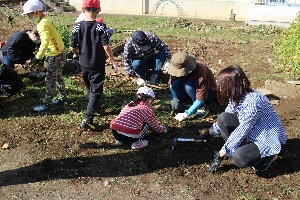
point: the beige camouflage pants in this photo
(54, 77)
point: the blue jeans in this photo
(155, 63)
(187, 90)
(7, 61)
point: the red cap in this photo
(91, 4)
(99, 19)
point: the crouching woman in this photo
(252, 130)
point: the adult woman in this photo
(252, 130)
(190, 81)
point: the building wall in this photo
(206, 9)
(243, 10)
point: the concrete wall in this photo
(243, 10)
(276, 15)
(206, 9)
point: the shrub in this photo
(287, 49)
(65, 33)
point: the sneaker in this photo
(139, 145)
(60, 101)
(202, 112)
(89, 125)
(118, 143)
(43, 107)
(264, 164)
(153, 78)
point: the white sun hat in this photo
(146, 90)
(32, 6)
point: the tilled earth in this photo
(50, 157)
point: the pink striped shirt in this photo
(131, 119)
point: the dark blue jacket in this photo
(19, 48)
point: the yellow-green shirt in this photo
(51, 42)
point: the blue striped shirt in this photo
(259, 123)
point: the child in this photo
(20, 47)
(53, 47)
(134, 120)
(109, 31)
(92, 40)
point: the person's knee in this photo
(239, 160)
(176, 84)
(222, 117)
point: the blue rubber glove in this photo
(197, 104)
(173, 93)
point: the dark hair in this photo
(232, 83)
(139, 97)
(91, 9)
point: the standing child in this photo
(53, 47)
(135, 119)
(93, 42)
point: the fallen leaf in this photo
(5, 146)
(275, 102)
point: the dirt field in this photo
(50, 157)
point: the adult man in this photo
(139, 51)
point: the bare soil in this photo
(50, 157)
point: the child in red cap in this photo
(92, 41)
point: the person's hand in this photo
(165, 129)
(115, 66)
(174, 104)
(215, 163)
(181, 116)
(140, 82)
(36, 63)
(75, 57)
(204, 136)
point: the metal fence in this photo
(295, 3)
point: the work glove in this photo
(115, 66)
(166, 67)
(215, 163)
(165, 129)
(181, 116)
(174, 103)
(140, 82)
(36, 63)
(205, 136)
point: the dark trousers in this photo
(94, 84)
(7, 88)
(247, 154)
(125, 139)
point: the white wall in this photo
(244, 10)
(276, 15)
(206, 9)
